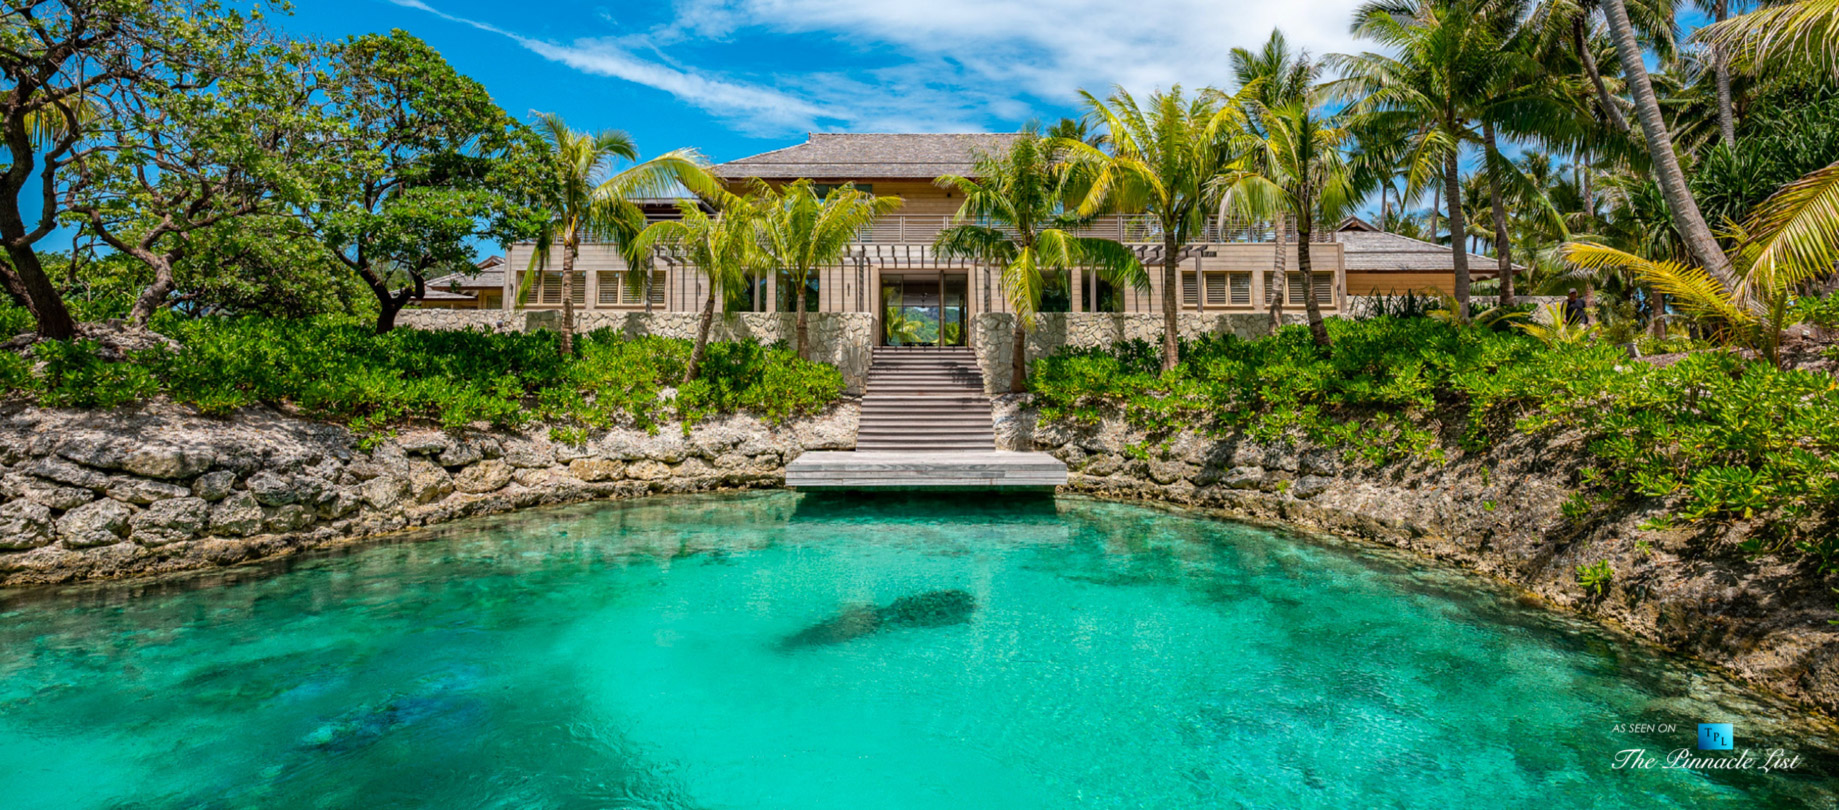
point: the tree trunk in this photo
(1018, 362)
(568, 298)
(1503, 247)
(1680, 203)
(388, 307)
(1171, 300)
(1436, 204)
(29, 279)
(1583, 186)
(803, 321)
(1603, 97)
(647, 284)
(1459, 255)
(1280, 273)
(155, 294)
(1720, 65)
(1305, 264)
(702, 335)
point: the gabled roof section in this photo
(1376, 251)
(842, 156)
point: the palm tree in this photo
(1295, 168)
(1449, 53)
(724, 248)
(1789, 240)
(1015, 215)
(1780, 34)
(1272, 77)
(800, 233)
(1162, 159)
(1681, 205)
(589, 200)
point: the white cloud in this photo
(946, 64)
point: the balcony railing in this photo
(904, 229)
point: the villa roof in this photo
(486, 275)
(1365, 249)
(848, 156)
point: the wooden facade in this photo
(1227, 271)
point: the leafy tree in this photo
(226, 134)
(1016, 216)
(588, 199)
(420, 163)
(724, 248)
(801, 233)
(1161, 160)
(67, 65)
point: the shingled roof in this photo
(840, 156)
(1366, 249)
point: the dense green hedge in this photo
(337, 368)
(1733, 439)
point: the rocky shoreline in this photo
(159, 489)
(108, 495)
(1500, 514)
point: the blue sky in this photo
(736, 77)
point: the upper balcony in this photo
(1138, 228)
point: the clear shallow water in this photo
(633, 655)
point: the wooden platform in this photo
(889, 470)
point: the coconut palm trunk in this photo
(1604, 98)
(1305, 265)
(1018, 362)
(1458, 230)
(702, 335)
(1171, 298)
(1720, 66)
(568, 298)
(804, 320)
(1279, 274)
(1680, 203)
(1503, 247)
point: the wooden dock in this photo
(925, 470)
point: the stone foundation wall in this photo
(86, 495)
(842, 339)
(1498, 513)
(993, 333)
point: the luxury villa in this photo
(894, 274)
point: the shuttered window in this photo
(1216, 289)
(1324, 288)
(1241, 284)
(1187, 289)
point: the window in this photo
(1187, 289)
(1216, 290)
(823, 189)
(1241, 289)
(1324, 288)
(785, 286)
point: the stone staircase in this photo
(924, 398)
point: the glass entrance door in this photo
(922, 310)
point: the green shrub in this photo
(1722, 437)
(338, 369)
(1596, 577)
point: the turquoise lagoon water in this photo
(636, 655)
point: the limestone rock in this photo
(168, 461)
(1168, 472)
(60, 498)
(1310, 486)
(101, 452)
(1319, 462)
(144, 491)
(460, 454)
(428, 483)
(214, 486)
(273, 489)
(693, 467)
(384, 492)
(529, 454)
(98, 523)
(423, 442)
(1244, 477)
(170, 521)
(238, 515)
(336, 503)
(24, 525)
(596, 469)
(486, 476)
(65, 472)
(647, 470)
(287, 518)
